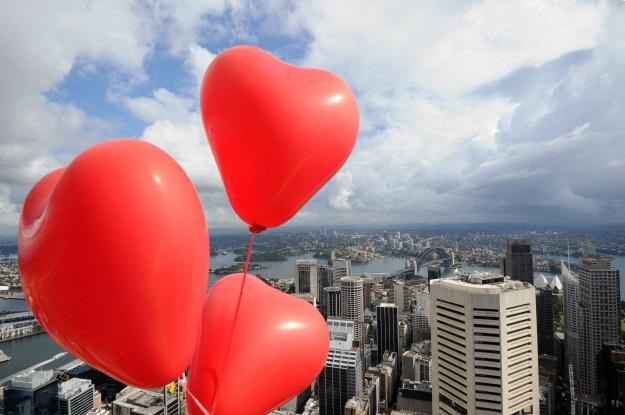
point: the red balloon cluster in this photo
(113, 255)
(278, 132)
(272, 347)
(114, 250)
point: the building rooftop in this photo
(33, 379)
(73, 387)
(140, 401)
(483, 282)
(306, 261)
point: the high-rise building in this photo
(324, 276)
(76, 397)
(544, 319)
(32, 393)
(331, 302)
(351, 304)
(401, 296)
(570, 300)
(306, 277)
(612, 378)
(341, 268)
(434, 273)
(598, 322)
(484, 358)
(342, 376)
(387, 329)
(366, 292)
(519, 264)
(420, 325)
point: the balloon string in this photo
(246, 266)
(197, 403)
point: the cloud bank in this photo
(487, 111)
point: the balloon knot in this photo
(257, 229)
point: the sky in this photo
(484, 111)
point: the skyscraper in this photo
(387, 329)
(342, 376)
(544, 318)
(484, 358)
(351, 304)
(341, 268)
(570, 283)
(598, 323)
(76, 397)
(366, 293)
(331, 302)
(612, 378)
(324, 276)
(519, 264)
(306, 277)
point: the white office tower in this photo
(598, 322)
(306, 277)
(342, 377)
(76, 397)
(420, 325)
(570, 283)
(484, 346)
(341, 268)
(351, 304)
(401, 296)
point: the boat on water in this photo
(4, 357)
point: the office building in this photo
(387, 329)
(420, 325)
(331, 302)
(612, 378)
(372, 392)
(133, 401)
(484, 358)
(342, 375)
(598, 323)
(434, 273)
(570, 301)
(306, 277)
(544, 319)
(324, 275)
(366, 292)
(341, 268)
(414, 398)
(519, 264)
(416, 366)
(32, 393)
(351, 304)
(76, 397)
(401, 296)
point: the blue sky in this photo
(482, 111)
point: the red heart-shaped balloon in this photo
(278, 132)
(113, 256)
(250, 364)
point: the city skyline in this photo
(527, 131)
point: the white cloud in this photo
(340, 190)
(197, 61)
(443, 136)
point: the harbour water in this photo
(28, 351)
